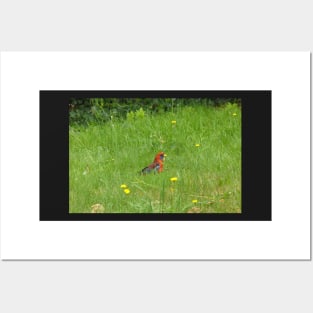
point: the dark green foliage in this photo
(87, 111)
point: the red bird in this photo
(156, 166)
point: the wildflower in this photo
(173, 122)
(127, 191)
(123, 186)
(173, 179)
(194, 201)
(197, 145)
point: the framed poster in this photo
(204, 163)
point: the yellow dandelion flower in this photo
(173, 179)
(197, 145)
(127, 191)
(194, 201)
(173, 122)
(123, 186)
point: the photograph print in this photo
(154, 155)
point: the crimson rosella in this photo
(156, 166)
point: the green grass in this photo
(104, 156)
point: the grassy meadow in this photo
(202, 168)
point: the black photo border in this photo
(256, 156)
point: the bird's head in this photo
(159, 157)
